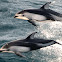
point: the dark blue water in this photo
(13, 29)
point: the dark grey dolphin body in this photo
(37, 15)
(26, 45)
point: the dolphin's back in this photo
(57, 16)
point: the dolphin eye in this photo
(23, 15)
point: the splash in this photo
(50, 30)
(53, 53)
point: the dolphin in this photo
(38, 15)
(26, 45)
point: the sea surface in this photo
(14, 29)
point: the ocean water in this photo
(13, 29)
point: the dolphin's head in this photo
(5, 48)
(21, 15)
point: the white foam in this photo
(50, 30)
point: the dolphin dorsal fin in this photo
(31, 35)
(46, 5)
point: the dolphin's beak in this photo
(5, 50)
(1, 50)
(19, 16)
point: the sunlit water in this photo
(13, 29)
